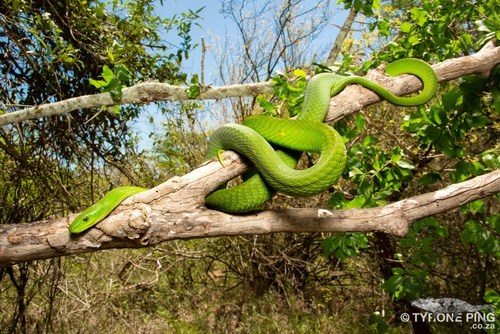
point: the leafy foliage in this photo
(344, 245)
(438, 31)
(113, 81)
(288, 92)
(459, 129)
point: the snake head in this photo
(80, 224)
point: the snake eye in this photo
(85, 219)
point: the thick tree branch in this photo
(170, 212)
(340, 106)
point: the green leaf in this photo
(122, 73)
(394, 284)
(337, 201)
(419, 15)
(432, 132)
(412, 123)
(98, 83)
(370, 140)
(488, 243)
(461, 172)
(193, 91)
(367, 65)
(329, 246)
(194, 79)
(495, 222)
(406, 27)
(471, 231)
(491, 160)
(452, 99)
(356, 203)
(292, 88)
(115, 89)
(477, 120)
(299, 73)
(396, 154)
(476, 206)
(355, 171)
(429, 178)
(110, 55)
(492, 297)
(383, 28)
(405, 164)
(438, 115)
(266, 105)
(435, 228)
(378, 323)
(344, 245)
(365, 188)
(107, 73)
(495, 94)
(360, 121)
(446, 144)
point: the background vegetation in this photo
(287, 283)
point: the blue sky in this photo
(213, 23)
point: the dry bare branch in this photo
(174, 210)
(142, 93)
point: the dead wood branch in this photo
(174, 210)
(142, 93)
(341, 105)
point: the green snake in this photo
(275, 170)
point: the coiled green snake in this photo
(276, 168)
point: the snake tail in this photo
(416, 67)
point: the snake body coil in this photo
(276, 168)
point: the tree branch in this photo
(170, 212)
(142, 93)
(480, 63)
(340, 106)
